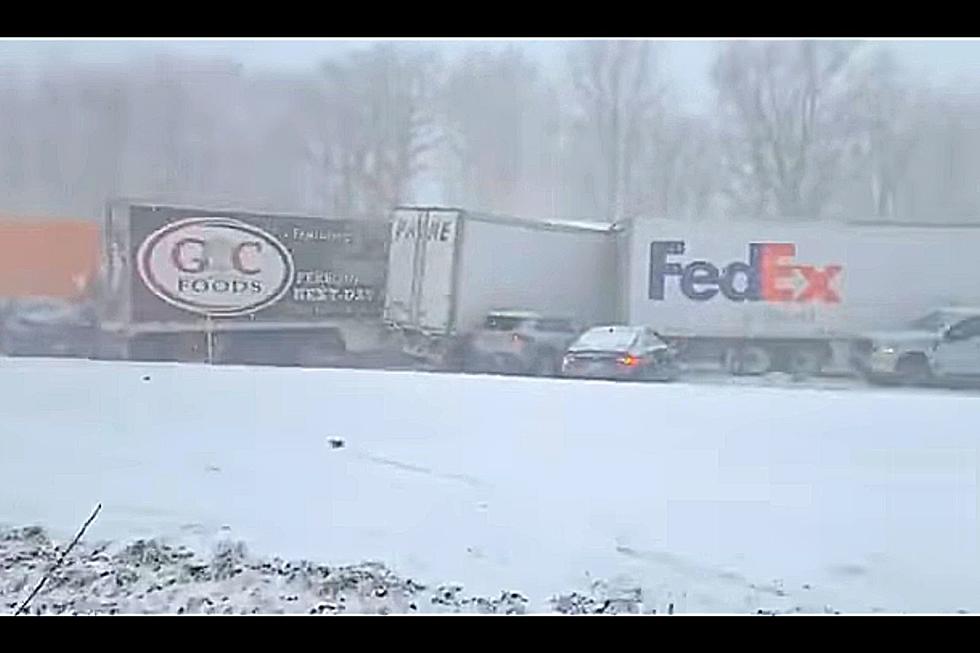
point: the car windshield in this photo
(934, 321)
(557, 326)
(607, 339)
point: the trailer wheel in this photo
(913, 369)
(470, 361)
(805, 362)
(747, 360)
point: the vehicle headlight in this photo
(885, 349)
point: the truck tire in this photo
(456, 356)
(913, 369)
(805, 362)
(545, 364)
(473, 363)
(663, 373)
(747, 360)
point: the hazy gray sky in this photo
(947, 62)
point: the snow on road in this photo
(713, 498)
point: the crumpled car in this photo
(48, 327)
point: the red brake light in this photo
(630, 361)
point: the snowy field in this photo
(713, 497)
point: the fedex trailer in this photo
(760, 295)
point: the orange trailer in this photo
(46, 258)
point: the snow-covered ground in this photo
(719, 497)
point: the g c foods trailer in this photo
(760, 295)
(190, 283)
(447, 268)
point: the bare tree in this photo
(380, 108)
(104, 108)
(618, 92)
(800, 130)
(942, 168)
(888, 114)
(500, 120)
(789, 125)
(679, 173)
(14, 119)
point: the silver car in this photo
(519, 342)
(941, 347)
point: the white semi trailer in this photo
(764, 295)
(448, 268)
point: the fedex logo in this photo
(770, 275)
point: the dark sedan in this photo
(621, 353)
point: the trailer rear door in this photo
(421, 269)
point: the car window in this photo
(930, 322)
(555, 326)
(502, 323)
(651, 340)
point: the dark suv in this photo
(519, 342)
(48, 327)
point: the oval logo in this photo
(215, 266)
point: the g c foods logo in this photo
(215, 266)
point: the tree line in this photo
(798, 130)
